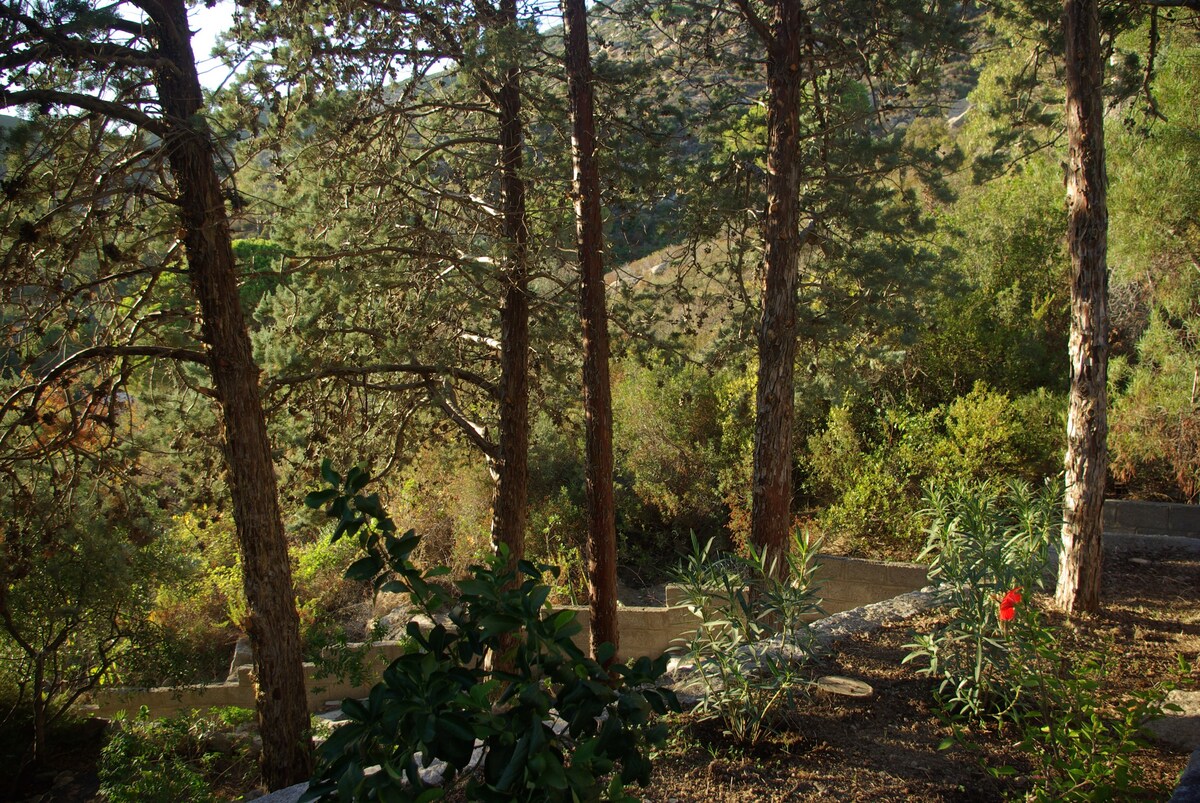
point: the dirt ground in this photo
(887, 748)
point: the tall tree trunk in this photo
(510, 499)
(39, 709)
(1087, 241)
(273, 622)
(597, 398)
(775, 398)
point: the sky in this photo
(207, 24)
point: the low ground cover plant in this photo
(189, 757)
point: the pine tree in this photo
(132, 66)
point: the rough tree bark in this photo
(273, 621)
(775, 399)
(597, 400)
(511, 470)
(1087, 240)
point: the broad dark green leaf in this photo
(364, 569)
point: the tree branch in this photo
(450, 143)
(57, 41)
(99, 353)
(87, 103)
(102, 53)
(757, 23)
(418, 369)
(474, 432)
(1194, 5)
(10, 625)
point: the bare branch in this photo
(360, 371)
(475, 433)
(450, 143)
(1194, 5)
(99, 353)
(757, 23)
(102, 53)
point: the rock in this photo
(1188, 790)
(869, 618)
(220, 742)
(243, 655)
(334, 717)
(288, 795)
(1178, 729)
(838, 686)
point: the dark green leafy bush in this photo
(497, 679)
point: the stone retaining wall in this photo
(239, 691)
(853, 582)
(1151, 518)
(846, 583)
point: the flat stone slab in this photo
(1178, 729)
(869, 618)
(844, 687)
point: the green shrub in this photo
(875, 514)
(998, 661)
(199, 616)
(446, 492)
(79, 561)
(501, 675)
(1081, 740)
(753, 634)
(172, 759)
(667, 438)
(322, 596)
(987, 542)
(557, 534)
(873, 480)
(872, 489)
(991, 435)
(557, 531)
(667, 443)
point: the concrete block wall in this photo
(853, 582)
(1151, 518)
(239, 691)
(846, 583)
(648, 630)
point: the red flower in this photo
(1008, 605)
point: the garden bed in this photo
(887, 747)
